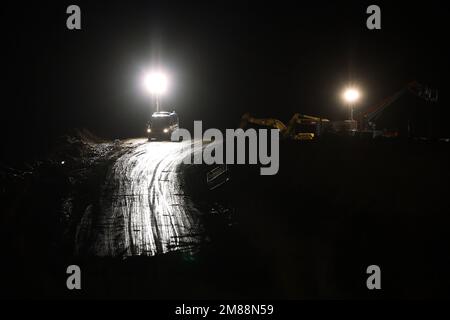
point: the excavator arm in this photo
(302, 119)
(265, 122)
(288, 131)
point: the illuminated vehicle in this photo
(162, 125)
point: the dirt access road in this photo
(143, 208)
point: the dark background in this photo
(310, 230)
(224, 58)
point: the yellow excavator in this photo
(300, 127)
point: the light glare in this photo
(351, 95)
(156, 83)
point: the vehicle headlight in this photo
(149, 130)
(166, 130)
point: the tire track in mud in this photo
(143, 207)
(152, 195)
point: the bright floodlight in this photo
(156, 83)
(351, 95)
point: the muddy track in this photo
(143, 208)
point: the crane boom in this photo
(413, 87)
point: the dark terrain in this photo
(334, 208)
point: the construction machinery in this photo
(162, 125)
(300, 127)
(304, 127)
(367, 120)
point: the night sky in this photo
(224, 58)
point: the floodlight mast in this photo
(351, 95)
(156, 84)
(157, 102)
